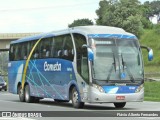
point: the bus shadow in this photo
(105, 107)
(86, 106)
(53, 103)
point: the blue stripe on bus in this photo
(120, 89)
(121, 36)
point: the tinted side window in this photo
(17, 55)
(63, 47)
(57, 46)
(24, 51)
(11, 53)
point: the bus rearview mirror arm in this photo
(85, 46)
(90, 52)
(150, 52)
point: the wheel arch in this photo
(70, 91)
(74, 85)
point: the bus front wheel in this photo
(75, 99)
(120, 105)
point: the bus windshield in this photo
(116, 60)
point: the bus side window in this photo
(82, 60)
(36, 53)
(53, 50)
(68, 48)
(24, 54)
(17, 56)
(58, 42)
(12, 50)
(30, 47)
(47, 47)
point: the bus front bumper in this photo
(98, 97)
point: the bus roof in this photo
(90, 31)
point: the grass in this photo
(152, 71)
(152, 91)
(151, 38)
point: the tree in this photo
(154, 8)
(4, 64)
(81, 22)
(125, 14)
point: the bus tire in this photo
(75, 99)
(21, 93)
(120, 105)
(28, 98)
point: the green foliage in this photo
(133, 24)
(155, 7)
(127, 14)
(146, 23)
(81, 22)
(157, 29)
(152, 8)
(4, 64)
(151, 39)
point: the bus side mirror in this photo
(90, 52)
(150, 52)
(150, 55)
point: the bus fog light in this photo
(139, 88)
(99, 88)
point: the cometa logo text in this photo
(52, 67)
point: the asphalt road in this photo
(10, 102)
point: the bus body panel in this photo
(98, 97)
(50, 78)
(15, 70)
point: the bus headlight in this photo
(139, 88)
(99, 88)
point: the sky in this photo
(25, 16)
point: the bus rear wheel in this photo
(27, 96)
(120, 105)
(75, 99)
(21, 94)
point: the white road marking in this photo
(16, 118)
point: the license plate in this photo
(120, 97)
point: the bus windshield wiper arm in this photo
(113, 64)
(128, 71)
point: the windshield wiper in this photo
(113, 64)
(128, 70)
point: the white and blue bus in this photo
(93, 64)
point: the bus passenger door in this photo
(82, 75)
